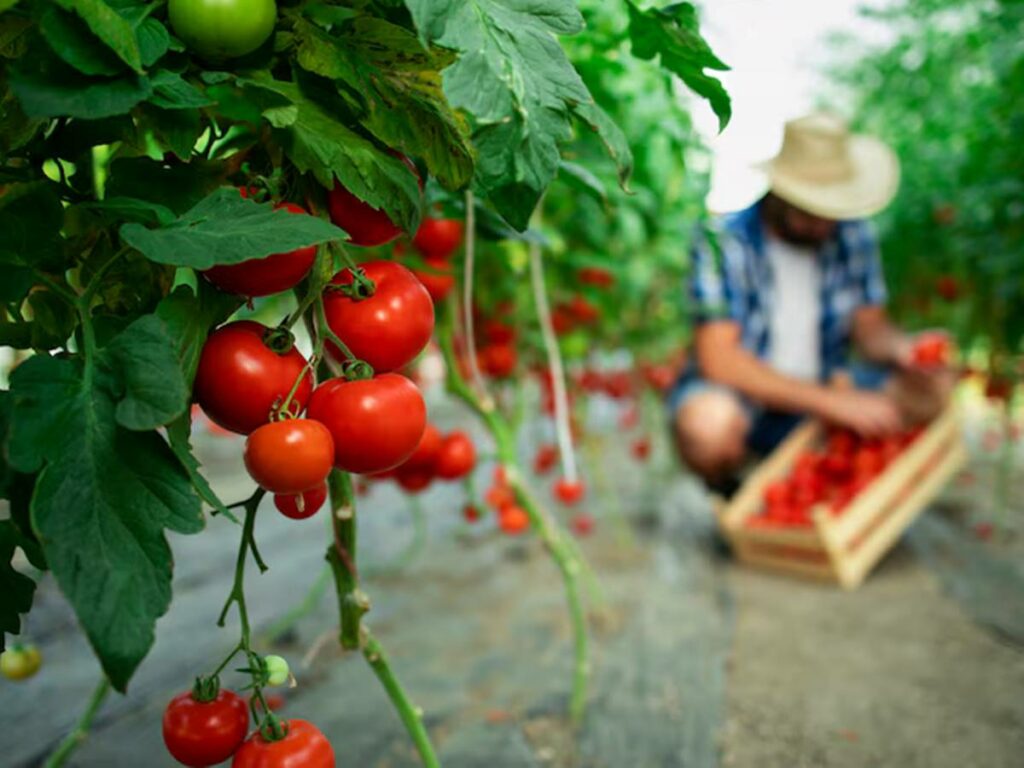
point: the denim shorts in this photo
(768, 428)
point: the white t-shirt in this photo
(795, 341)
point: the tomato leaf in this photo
(31, 217)
(189, 319)
(673, 33)
(178, 187)
(143, 359)
(611, 135)
(178, 433)
(72, 41)
(53, 92)
(395, 85)
(16, 589)
(113, 29)
(100, 507)
(320, 144)
(171, 91)
(225, 228)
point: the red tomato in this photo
(366, 226)
(582, 310)
(582, 524)
(304, 746)
(240, 380)
(437, 278)
(545, 459)
(776, 493)
(513, 519)
(201, 733)
(842, 442)
(561, 321)
(438, 238)
(660, 377)
(427, 449)
(498, 360)
(868, 462)
(948, 287)
(290, 456)
(497, 332)
(629, 417)
(471, 512)
(299, 506)
(641, 448)
(931, 350)
(388, 329)
(596, 276)
(618, 385)
(272, 274)
(457, 456)
(413, 479)
(569, 493)
(376, 423)
(500, 496)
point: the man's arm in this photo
(723, 359)
(878, 339)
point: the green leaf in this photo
(189, 319)
(176, 130)
(53, 93)
(320, 144)
(178, 187)
(31, 217)
(101, 504)
(225, 228)
(153, 40)
(615, 141)
(53, 319)
(171, 91)
(395, 87)
(110, 27)
(72, 41)
(514, 78)
(582, 180)
(673, 33)
(143, 359)
(16, 589)
(131, 209)
(14, 36)
(15, 282)
(178, 433)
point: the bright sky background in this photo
(777, 51)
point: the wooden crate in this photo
(844, 548)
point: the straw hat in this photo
(824, 169)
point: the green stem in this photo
(70, 742)
(411, 715)
(353, 605)
(562, 551)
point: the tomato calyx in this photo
(357, 370)
(273, 728)
(360, 288)
(279, 340)
(206, 689)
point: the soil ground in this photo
(696, 661)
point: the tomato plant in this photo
(128, 253)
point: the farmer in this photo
(784, 294)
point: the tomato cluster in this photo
(832, 477)
(437, 457)
(512, 518)
(436, 241)
(206, 728)
(252, 380)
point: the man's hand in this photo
(871, 414)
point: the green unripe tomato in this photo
(222, 29)
(20, 662)
(277, 670)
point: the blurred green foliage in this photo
(947, 92)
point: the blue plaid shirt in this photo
(731, 278)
